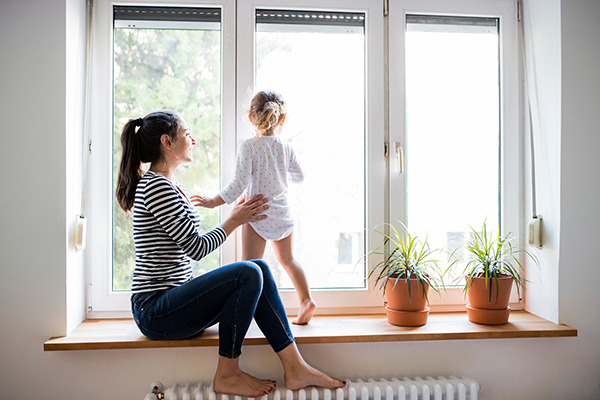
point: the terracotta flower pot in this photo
(407, 318)
(404, 309)
(478, 292)
(486, 309)
(488, 317)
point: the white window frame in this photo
(383, 185)
(511, 170)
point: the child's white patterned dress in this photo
(264, 166)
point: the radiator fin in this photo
(440, 388)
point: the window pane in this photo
(172, 69)
(453, 129)
(320, 72)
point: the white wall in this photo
(542, 32)
(580, 184)
(34, 212)
(32, 161)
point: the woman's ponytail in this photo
(130, 169)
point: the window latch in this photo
(400, 156)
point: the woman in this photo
(169, 304)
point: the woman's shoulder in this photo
(151, 176)
(153, 181)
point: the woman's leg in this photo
(227, 295)
(271, 319)
(253, 245)
(270, 314)
(298, 374)
(283, 251)
(230, 379)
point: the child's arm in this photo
(296, 174)
(241, 178)
(207, 202)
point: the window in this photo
(335, 120)
(167, 58)
(454, 113)
(327, 59)
(452, 117)
(184, 58)
(317, 59)
(146, 58)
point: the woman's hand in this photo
(206, 202)
(244, 211)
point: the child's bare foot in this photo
(305, 375)
(242, 384)
(306, 312)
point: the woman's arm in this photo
(245, 211)
(164, 203)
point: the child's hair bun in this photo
(266, 110)
(272, 105)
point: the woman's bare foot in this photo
(298, 374)
(306, 312)
(309, 376)
(230, 379)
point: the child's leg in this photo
(283, 251)
(253, 245)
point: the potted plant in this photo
(490, 272)
(406, 273)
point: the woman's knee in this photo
(250, 271)
(266, 271)
(262, 266)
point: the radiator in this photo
(440, 388)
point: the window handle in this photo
(400, 156)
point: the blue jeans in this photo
(231, 295)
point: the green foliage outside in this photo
(168, 70)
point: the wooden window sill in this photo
(124, 334)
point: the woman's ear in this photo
(165, 140)
(282, 120)
(250, 118)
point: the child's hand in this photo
(206, 202)
(201, 201)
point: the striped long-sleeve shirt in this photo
(166, 236)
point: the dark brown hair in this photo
(140, 140)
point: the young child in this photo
(264, 165)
